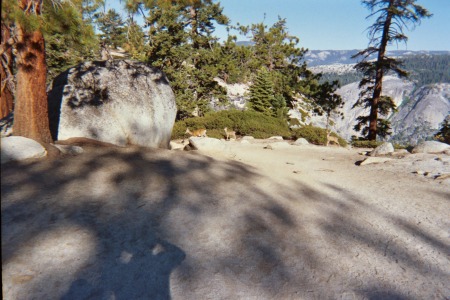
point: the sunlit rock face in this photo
(119, 102)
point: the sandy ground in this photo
(302, 222)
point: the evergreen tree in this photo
(182, 45)
(277, 51)
(112, 28)
(443, 134)
(327, 102)
(136, 43)
(393, 17)
(262, 94)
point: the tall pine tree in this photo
(261, 93)
(393, 16)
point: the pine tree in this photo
(327, 102)
(112, 28)
(181, 43)
(443, 134)
(393, 17)
(277, 51)
(262, 94)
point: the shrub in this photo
(251, 123)
(365, 144)
(315, 135)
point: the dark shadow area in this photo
(134, 223)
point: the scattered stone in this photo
(247, 137)
(374, 160)
(296, 172)
(268, 147)
(277, 137)
(443, 176)
(19, 148)
(383, 149)
(419, 172)
(431, 147)
(289, 163)
(120, 102)
(208, 144)
(279, 145)
(245, 142)
(364, 153)
(69, 149)
(301, 141)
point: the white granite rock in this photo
(19, 148)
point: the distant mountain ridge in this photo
(329, 57)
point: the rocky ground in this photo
(294, 222)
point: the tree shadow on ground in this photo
(152, 224)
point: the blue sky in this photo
(336, 24)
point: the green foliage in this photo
(443, 135)
(388, 28)
(428, 69)
(327, 102)
(315, 135)
(251, 123)
(182, 45)
(365, 143)
(422, 69)
(261, 93)
(112, 28)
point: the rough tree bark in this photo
(373, 119)
(31, 107)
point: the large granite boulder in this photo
(119, 102)
(431, 147)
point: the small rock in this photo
(268, 147)
(247, 137)
(300, 142)
(383, 149)
(419, 172)
(69, 149)
(19, 148)
(245, 142)
(207, 144)
(280, 145)
(277, 137)
(374, 160)
(443, 176)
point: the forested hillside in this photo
(423, 69)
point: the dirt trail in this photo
(294, 223)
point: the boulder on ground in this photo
(374, 160)
(247, 137)
(277, 145)
(383, 149)
(208, 144)
(19, 148)
(431, 147)
(301, 141)
(277, 137)
(119, 102)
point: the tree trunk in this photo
(7, 84)
(373, 118)
(31, 110)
